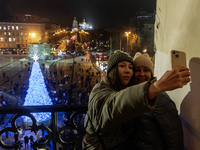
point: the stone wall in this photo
(177, 27)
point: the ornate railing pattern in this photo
(54, 134)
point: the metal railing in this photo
(54, 134)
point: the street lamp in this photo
(127, 33)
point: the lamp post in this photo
(127, 33)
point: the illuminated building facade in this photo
(27, 29)
(19, 35)
(80, 26)
(84, 25)
(75, 25)
(43, 50)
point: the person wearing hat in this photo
(160, 129)
(115, 101)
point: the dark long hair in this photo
(114, 80)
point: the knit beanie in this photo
(143, 60)
(116, 57)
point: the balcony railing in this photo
(54, 134)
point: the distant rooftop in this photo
(27, 18)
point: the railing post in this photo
(54, 128)
(54, 132)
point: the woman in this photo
(160, 129)
(115, 101)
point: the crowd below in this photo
(62, 91)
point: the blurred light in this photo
(33, 34)
(145, 51)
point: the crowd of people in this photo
(59, 83)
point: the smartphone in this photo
(178, 58)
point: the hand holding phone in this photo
(178, 58)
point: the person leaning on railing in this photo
(115, 101)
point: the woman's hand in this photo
(171, 80)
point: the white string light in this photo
(35, 57)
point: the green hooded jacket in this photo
(111, 112)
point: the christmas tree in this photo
(37, 93)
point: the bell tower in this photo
(75, 25)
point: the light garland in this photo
(37, 93)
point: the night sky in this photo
(99, 13)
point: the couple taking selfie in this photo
(129, 108)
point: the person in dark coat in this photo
(26, 139)
(16, 135)
(160, 129)
(31, 139)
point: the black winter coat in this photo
(160, 129)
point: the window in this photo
(13, 27)
(4, 27)
(8, 27)
(0, 27)
(29, 34)
(17, 28)
(1, 39)
(21, 33)
(9, 33)
(25, 34)
(9, 40)
(4, 33)
(13, 39)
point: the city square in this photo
(17, 72)
(53, 103)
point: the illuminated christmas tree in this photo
(37, 93)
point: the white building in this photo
(177, 28)
(43, 50)
(75, 25)
(84, 25)
(19, 35)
